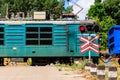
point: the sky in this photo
(85, 4)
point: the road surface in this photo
(35, 73)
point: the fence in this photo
(101, 72)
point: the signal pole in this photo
(89, 53)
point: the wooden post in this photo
(93, 69)
(87, 66)
(112, 74)
(101, 72)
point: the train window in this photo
(1, 35)
(45, 42)
(1, 29)
(39, 36)
(32, 29)
(31, 35)
(45, 35)
(111, 31)
(46, 29)
(31, 42)
(111, 39)
(1, 42)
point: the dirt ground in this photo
(36, 73)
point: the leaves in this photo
(106, 23)
(98, 1)
(112, 8)
(106, 14)
(96, 10)
(68, 10)
(52, 6)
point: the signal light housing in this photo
(89, 28)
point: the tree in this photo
(97, 1)
(105, 24)
(52, 6)
(97, 10)
(68, 10)
(0, 5)
(107, 8)
(112, 8)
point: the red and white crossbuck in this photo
(89, 44)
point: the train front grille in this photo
(14, 35)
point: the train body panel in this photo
(42, 39)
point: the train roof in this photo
(114, 27)
(47, 22)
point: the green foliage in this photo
(73, 66)
(68, 10)
(97, 1)
(96, 10)
(105, 24)
(106, 15)
(3, 8)
(112, 8)
(52, 6)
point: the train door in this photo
(72, 39)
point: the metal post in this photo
(89, 55)
(93, 69)
(89, 37)
(112, 74)
(101, 72)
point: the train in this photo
(46, 40)
(113, 41)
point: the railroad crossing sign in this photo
(89, 44)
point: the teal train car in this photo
(51, 40)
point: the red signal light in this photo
(82, 28)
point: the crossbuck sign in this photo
(89, 44)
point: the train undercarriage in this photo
(42, 61)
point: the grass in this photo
(81, 67)
(118, 73)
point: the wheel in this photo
(33, 62)
(29, 61)
(1, 61)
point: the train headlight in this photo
(14, 48)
